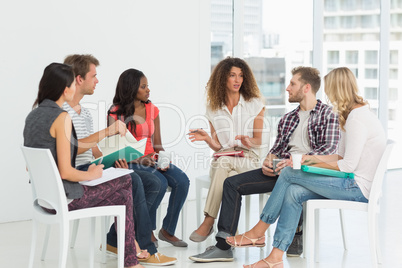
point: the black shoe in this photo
(296, 248)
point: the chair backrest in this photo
(376, 187)
(45, 179)
(263, 149)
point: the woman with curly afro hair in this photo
(235, 112)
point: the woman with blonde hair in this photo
(360, 149)
(235, 113)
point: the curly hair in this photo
(342, 91)
(216, 86)
(126, 92)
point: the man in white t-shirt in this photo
(145, 186)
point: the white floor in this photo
(15, 240)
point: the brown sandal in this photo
(241, 245)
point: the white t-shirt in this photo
(299, 140)
(240, 122)
(83, 124)
(361, 145)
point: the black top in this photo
(37, 135)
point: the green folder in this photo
(327, 172)
(128, 153)
(116, 147)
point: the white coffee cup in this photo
(296, 159)
(163, 159)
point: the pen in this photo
(194, 131)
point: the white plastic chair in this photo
(203, 182)
(47, 186)
(311, 210)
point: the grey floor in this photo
(15, 240)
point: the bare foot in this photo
(265, 264)
(246, 240)
(141, 253)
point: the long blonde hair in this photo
(342, 91)
(216, 87)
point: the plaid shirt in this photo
(323, 131)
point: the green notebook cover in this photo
(327, 172)
(128, 153)
(117, 147)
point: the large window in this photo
(351, 38)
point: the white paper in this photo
(108, 174)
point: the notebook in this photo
(231, 153)
(327, 172)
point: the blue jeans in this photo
(146, 188)
(179, 182)
(294, 187)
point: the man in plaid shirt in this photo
(312, 128)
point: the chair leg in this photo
(342, 216)
(317, 235)
(121, 225)
(63, 250)
(309, 233)
(183, 220)
(33, 243)
(104, 224)
(247, 203)
(158, 217)
(46, 242)
(198, 196)
(92, 243)
(373, 239)
(305, 231)
(76, 224)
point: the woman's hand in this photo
(309, 160)
(198, 135)
(121, 163)
(146, 161)
(95, 171)
(245, 140)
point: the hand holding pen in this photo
(197, 135)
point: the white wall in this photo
(167, 40)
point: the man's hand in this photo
(118, 127)
(267, 167)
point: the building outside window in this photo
(351, 37)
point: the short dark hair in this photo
(56, 77)
(81, 63)
(310, 76)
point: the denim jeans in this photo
(146, 188)
(250, 182)
(295, 187)
(179, 182)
